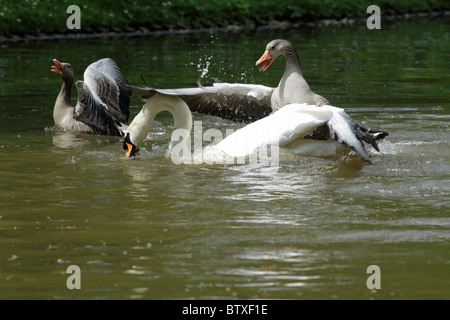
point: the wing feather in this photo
(237, 102)
(342, 129)
(108, 84)
(279, 129)
(94, 112)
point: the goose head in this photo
(132, 149)
(274, 49)
(63, 68)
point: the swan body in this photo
(292, 122)
(288, 127)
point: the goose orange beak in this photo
(266, 59)
(58, 67)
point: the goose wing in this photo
(105, 80)
(104, 97)
(232, 101)
(95, 113)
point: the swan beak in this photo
(132, 150)
(58, 67)
(267, 59)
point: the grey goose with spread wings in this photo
(103, 99)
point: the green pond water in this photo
(150, 229)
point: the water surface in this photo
(150, 229)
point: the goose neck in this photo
(292, 60)
(66, 90)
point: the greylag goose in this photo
(103, 99)
(249, 102)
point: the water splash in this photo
(204, 69)
(204, 62)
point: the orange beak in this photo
(267, 59)
(130, 150)
(58, 67)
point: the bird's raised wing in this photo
(107, 84)
(232, 101)
(95, 113)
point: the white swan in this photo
(289, 127)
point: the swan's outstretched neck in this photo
(140, 126)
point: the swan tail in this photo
(346, 130)
(370, 135)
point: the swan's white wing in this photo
(280, 128)
(232, 101)
(293, 122)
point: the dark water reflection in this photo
(150, 229)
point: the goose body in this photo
(103, 99)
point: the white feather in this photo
(251, 91)
(291, 122)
